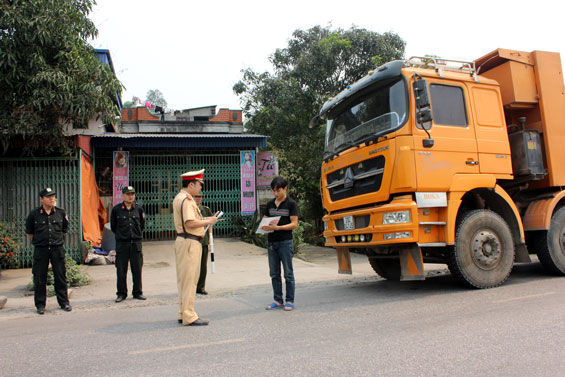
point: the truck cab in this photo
(430, 160)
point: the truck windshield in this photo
(374, 114)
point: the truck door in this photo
(454, 149)
(490, 129)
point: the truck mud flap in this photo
(411, 264)
(344, 261)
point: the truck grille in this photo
(357, 179)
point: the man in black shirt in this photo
(280, 246)
(46, 226)
(127, 221)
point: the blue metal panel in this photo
(179, 142)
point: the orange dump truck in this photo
(437, 161)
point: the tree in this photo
(317, 64)
(155, 97)
(50, 76)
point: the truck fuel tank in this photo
(527, 158)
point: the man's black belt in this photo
(190, 236)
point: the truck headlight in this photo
(394, 236)
(396, 217)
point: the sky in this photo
(194, 51)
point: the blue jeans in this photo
(281, 251)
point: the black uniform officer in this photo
(47, 226)
(127, 222)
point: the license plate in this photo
(348, 223)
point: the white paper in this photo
(265, 221)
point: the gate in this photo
(21, 180)
(156, 179)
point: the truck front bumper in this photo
(365, 227)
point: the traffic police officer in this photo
(188, 250)
(127, 221)
(46, 226)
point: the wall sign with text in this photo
(248, 202)
(121, 174)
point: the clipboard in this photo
(266, 221)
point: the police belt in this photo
(190, 236)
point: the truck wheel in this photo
(387, 268)
(483, 255)
(551, 246)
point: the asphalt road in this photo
(356, 327)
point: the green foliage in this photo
(9, 247)
(128, 105)
(155, 97)
(312, 235)
(317, 64)
(49, 75)
(298, 235)
(245, 227)
(75, 277)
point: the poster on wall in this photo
(248, 202)
(121, 174)
(267, 169)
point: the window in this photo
(448, 105)
(378, 112)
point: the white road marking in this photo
(525, 297)
(198, 345)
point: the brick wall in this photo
(227, 115)
(137, 113)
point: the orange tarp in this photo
(93, 211)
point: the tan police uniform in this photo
(188, 253)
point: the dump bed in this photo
(532, 87)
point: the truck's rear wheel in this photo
(551, 245)
(387, 268)
(483, 255)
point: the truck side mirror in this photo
(424, 117)
(423, 112)
(421, 93)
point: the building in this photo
(160, 147)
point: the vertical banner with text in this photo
(267, 169)
(248, 202)
(121, 174)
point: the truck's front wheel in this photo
(387, 268)
(551, 245)
(483, 254)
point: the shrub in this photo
(75, 277)
(245, 227)
(9, 248)
(298, 236)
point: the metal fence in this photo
(21, 180)
(156, 179)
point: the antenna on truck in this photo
(441, 65)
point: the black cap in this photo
(128, 189)
(47, 191)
